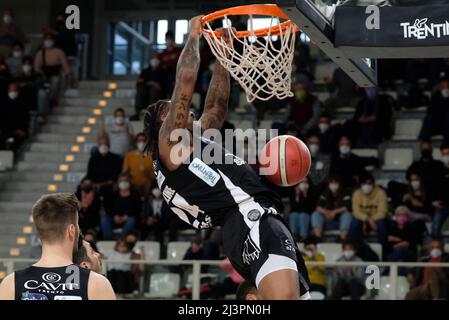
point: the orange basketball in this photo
(285, 160)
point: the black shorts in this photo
(257, 241)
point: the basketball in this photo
(285, 160)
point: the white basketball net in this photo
(262, 69)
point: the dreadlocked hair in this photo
(152, 123)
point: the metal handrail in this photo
(196, 267)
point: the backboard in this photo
(315, 20)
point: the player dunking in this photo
(256, 239)
(54, 276)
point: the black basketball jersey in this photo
(203, 191)
(61, 283)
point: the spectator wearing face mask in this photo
(346, 164)
(350, 280)
(32, 87)
(157, 217)
(402, 237)
(140, 166)
(369, 210)
(302, 203)
(304, 107)
(328, 134)
(437, 117)
(321, 163)
(90, 205)
(333, 209)
(149, 86)
(14, 61)
(10, 32)
(104, 167)
(51, 62)
(14, 114)
(120, 133)
(417, 200)
(317, 274)
(123, 210)
(430, 283)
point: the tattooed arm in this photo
(216, 104)
(186, 75)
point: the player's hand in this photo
(226, 34)
(195, 27)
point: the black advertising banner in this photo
(393, 27)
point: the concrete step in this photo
(99, 93)
(88, 110)
(20, 196)
(93, 102)
(58, 128)
(17, 217)
(39, 187)
(103, 84)
(24, 253)
(50, 167)
(50, 147)
(14, 207)
(46, 157)
(31, 176)
(68, 138)
(14, 229)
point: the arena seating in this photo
(163, 285)
(177, 249)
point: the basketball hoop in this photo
(263, 68)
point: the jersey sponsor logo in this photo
(68, 298)
(254, 215)
(288, 245)
(50, 287)
(33, 296)
(51, 277)
(250, 251)
(204, 172)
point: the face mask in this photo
(26, 68)
(367, 188)
(103, 149)
(445, 93)
(401, 220)
(48, 44)
(141, 146)
(123, 185)
(156, 193)
(17, 54)
(323, 127)
(308, 253)
(345, 149)
(314, 148)
(445, 160)
(119, 120)
(303, 186)
(154, 63)
(301, 94)
(333, 187)
(348, 254)
(415, 184)
(435, 253)
(7, 19)
(13, 95)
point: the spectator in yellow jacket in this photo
(369, 210)
(317, 274)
